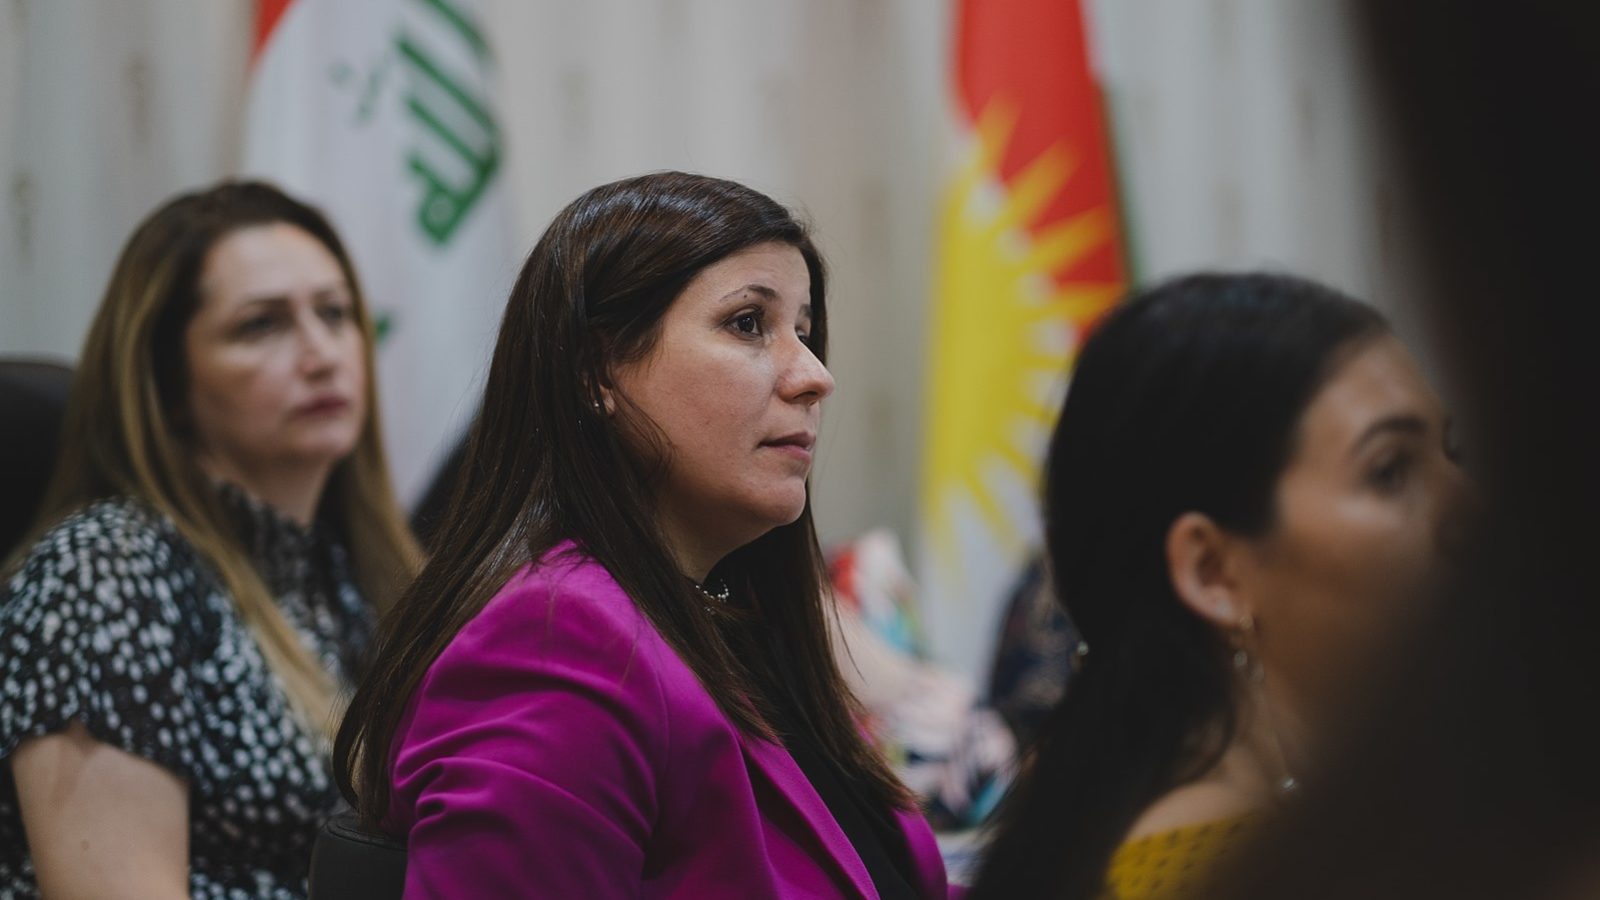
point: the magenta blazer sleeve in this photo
(559, 748)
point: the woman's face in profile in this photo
(1364, 510)
(277, 382)
(733, 386)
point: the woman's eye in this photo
(1390, 477)
(1452, 443)
(335, 315)
(257, 325)
(748, 323)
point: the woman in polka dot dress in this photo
(203, 581)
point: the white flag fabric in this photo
(379, 113)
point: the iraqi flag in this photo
(1030, 256)
(379, 112)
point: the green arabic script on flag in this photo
(460, 123)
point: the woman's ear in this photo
(602, 395)
(1201, 567)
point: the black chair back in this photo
(351, 863)
(33, 404)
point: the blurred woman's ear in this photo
(1203, 567)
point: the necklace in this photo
(718, 593)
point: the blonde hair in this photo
(124, 434)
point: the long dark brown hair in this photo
(125, 434)
(1187, 398)
(542, 466)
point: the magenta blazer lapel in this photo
(773, 762)
(926, 859)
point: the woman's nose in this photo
(808, 379)
(319, 345)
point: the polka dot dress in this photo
(115, 622)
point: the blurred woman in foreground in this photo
(1472, 773)
(1249, 480)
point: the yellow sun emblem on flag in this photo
(1005, 331)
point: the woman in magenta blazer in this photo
(614, 679)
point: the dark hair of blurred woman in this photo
(1207, 445)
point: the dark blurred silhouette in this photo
(429, 511)
(1477, 771)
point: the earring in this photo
(1241, 654)
(1252, 670)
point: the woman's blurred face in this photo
(277, 382)
(733, 387)
(1364, 510)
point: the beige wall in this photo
(1249, 136)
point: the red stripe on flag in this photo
(1033, 55)
(268, 12)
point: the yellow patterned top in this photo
(1171, 864)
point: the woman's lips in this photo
(797, 445)
(323, 406)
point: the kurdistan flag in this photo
(378, 112)
(1030, 257)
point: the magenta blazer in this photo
(560, 748)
